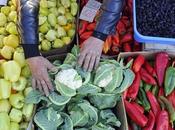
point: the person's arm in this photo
(28, 27)
(110, 15)
(92, 47)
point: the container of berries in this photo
(154, 21)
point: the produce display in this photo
(121, 40)
(149, 101)
(156, 18)
(57, 19)
(82, 100)
(15, 75)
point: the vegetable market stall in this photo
(83, 100)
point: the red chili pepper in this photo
(116, 39)
(148, 67)
(121, 28)
(138, 62)
(127, 47)
(162, 120)
(171, 98)
(155, 107)
(151, 121)
(145, 76)
(161, 64)
(91, 26)
(170, 127)
(125, 94)
(82, 28)
(139, 108)
(161, 92)
(86, 35)
(135, 115)
(134, 88)
(127, 38)
(129, 58)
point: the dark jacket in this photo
(28, 23)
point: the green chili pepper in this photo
(169, 107)
(147, 87)
(155, 90)
(141, 83)
(169, 80)
(143, 98)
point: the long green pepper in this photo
(155, 90)
(169, 80)
(144, 100)
(147, 87)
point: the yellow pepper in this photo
(5, 89)
(19, 57)
(27, 111)
(11, 40)
(4, 105)
(7, 52)
(11, 70)
(14, 126)
(1, 71)
(27, 91)
(24, 126)
(26, 71)
(4, 121)
(15, 115)
(67, 27)
(20, 84)
(17, 100)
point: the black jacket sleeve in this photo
(111, 12)
(28, 26)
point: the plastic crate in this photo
(148, 39)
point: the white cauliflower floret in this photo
(70, 78)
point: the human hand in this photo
(90, 53)
(40, 78)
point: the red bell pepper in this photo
(107, 44)
(161, 63)
(146, 77)
(127, 38)
(121, 28)
(134, 88)
(126, 47)
(116, 39)
(91, 26)
(135, 115)
(86, 35)
(151, 121)
(138, 62)
(82, 27)
(155, 107)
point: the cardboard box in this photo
(119, 110)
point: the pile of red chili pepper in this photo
(121, 41)
(150, 100)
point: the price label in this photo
(89, 11)
(3, 2)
